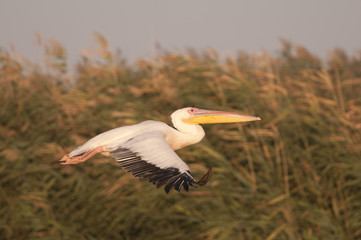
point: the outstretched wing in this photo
(149, 156)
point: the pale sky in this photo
(227, 26)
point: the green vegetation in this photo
(294, 175)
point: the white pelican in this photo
(146, 149)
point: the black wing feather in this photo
(170, 177)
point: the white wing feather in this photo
(153, 148)
(149, 156)
(117, 136)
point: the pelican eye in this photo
(192, 110)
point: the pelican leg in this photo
(78, 159)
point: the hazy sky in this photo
(227, 26)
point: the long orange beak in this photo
(202, 116)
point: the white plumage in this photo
(147, 149)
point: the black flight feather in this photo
(170, 177)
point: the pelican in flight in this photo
(146, 149)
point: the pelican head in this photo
(192, 115)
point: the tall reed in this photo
(293, 175)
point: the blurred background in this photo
(71, 70)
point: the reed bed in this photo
(294, 175)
